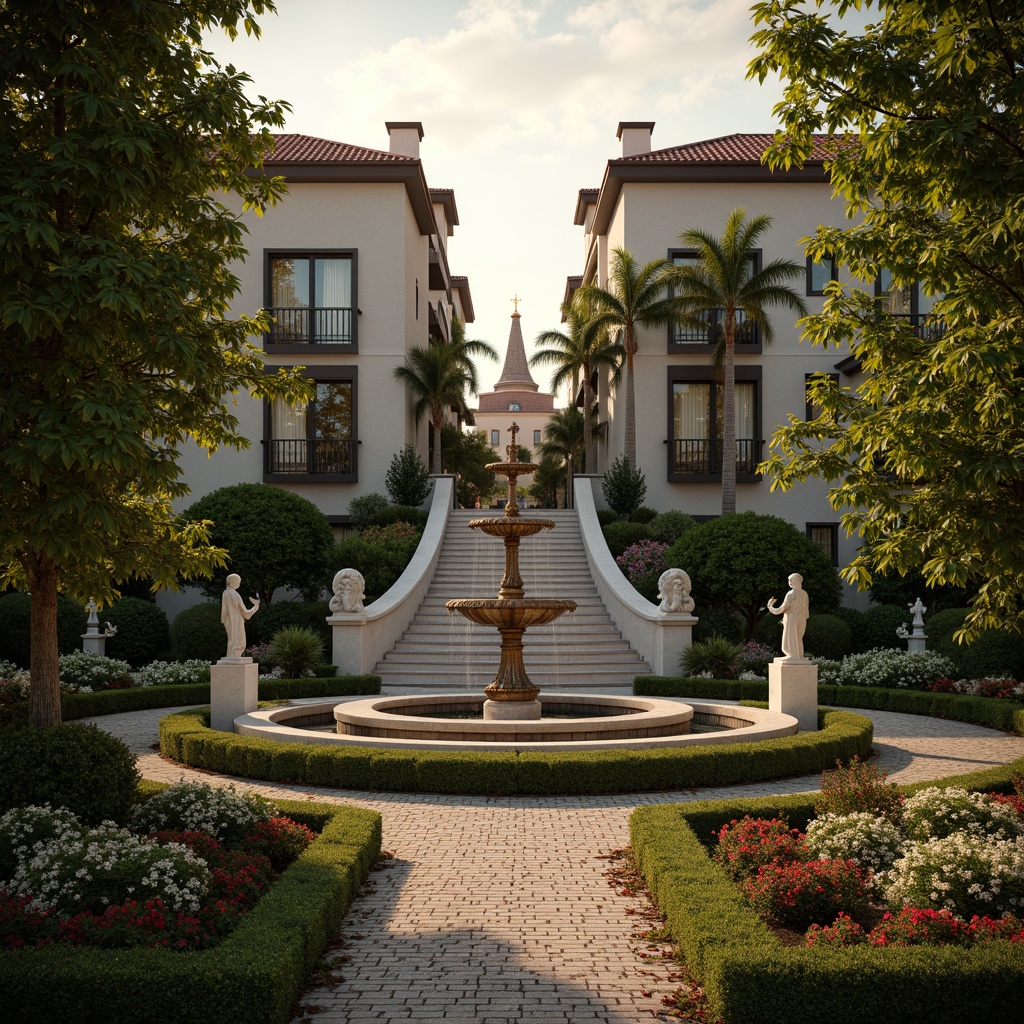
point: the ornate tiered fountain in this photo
(512, 695)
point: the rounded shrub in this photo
(866, 839)
(940, 628)
(643, 515)
(668, 527)
(272, 618)
(993, 653)
(935, 813)
(15, 627)
(143, 632)
(296, 650)
(716, 655)
(827, 636)
(893, 669)
(877, 628)
(715, 621)
(623, 534)
(605, 516)
(364, 510)
(198, 634)
(768, 631)
(401, 514)
(76, 766)
(227, 815)
(82, 671)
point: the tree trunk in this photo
(44, 694)
(435, 462)
(729, 417)
(589, 455)
(629, 446)
(570, 496)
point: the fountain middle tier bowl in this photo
(511, 468)
(510, 526)
(511, 613)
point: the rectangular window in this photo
(317, 438)
(311, 298)
(819, 273)
(826, 536)
(813, 411)
(536, 438)
(696, 418)
(495, 438)
(705, 334)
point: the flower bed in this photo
(750, 977)
(254, 973)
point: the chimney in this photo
(635, 136)
(405, 137)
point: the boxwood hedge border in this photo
(991, 712)
(187, 737)
(255, 975)
(751, 978)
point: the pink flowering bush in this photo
(859, 787)
(802, 893)
(643, 563)
(746, 845)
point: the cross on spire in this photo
(515, 300)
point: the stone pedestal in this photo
(511, 710)
(793, 690)
(234, 687)
(95, 643)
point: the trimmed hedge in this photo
(255, 975)
(991, 712)
(750, 978)
(187, 737)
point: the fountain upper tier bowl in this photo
(510, 527)
(511, 613)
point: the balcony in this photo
(925, 325)
(709, 331)
(305, 325)
(310, 457)
(703, 457)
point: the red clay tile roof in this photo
(529, 401)
(727, 149)
(304, 149)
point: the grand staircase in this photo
(579, 651)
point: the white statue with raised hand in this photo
(794, 611)
(233, 614)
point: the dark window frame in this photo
(318, 375)
(688, 374)
(753, 347)
(495, 441)
(833, 529)
(809, 413)
(833, 274)
(291, 347)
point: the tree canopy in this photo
(124, 148)
(926, 452)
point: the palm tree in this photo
(583, 348)
(438, 377)
(564, 439)
(724, 279)
(636, 298)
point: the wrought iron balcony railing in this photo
(305, 325)
(311, 456)
(700, 455)
(707, 333)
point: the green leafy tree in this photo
(723, 282)
(624, 487)
(636, 298)
(577, 353)
(438, 377)
(924, 452)
(407, 479)
(127, 154)
(273, 538)
(738, 562)
(549, 478)
(467, 456)
(564, 438)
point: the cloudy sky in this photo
(519, 101)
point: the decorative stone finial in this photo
(512, 451)
(674, 591)
(349, 588)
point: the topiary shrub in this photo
(827, 636)
(416, 517)
(711, 621)
(274, 538)
(877, 628)
(668, 527)
(854, 618)
(379, 553)
(197, 633)
(79, 767)
(768, 631)
(606, 516)
(407, 479)
(643, 515)
(143, 632)
(15, 624)
(993, 653)
(940, 628)
(297, 650)
(363, 511)
(716, 656)
(737, 562)
(623, 534)
(624, 487)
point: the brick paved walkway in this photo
(496, 910)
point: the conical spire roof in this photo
(515, 374)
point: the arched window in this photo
(514, 407)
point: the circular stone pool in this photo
(583, 722)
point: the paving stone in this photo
(496, 909)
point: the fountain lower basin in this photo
(606, 723)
